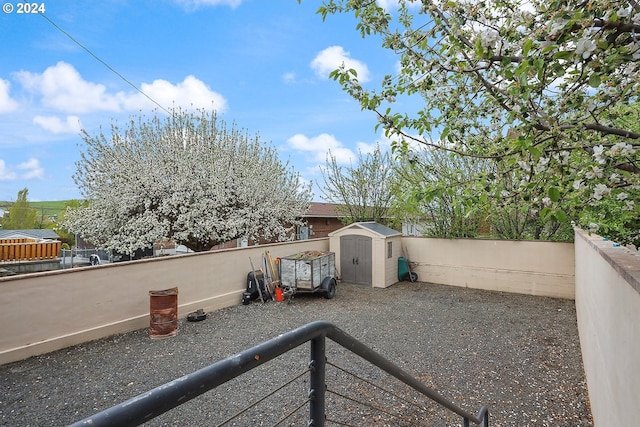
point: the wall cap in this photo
(624, 260)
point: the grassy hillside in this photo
(47, 207)
(56, 205)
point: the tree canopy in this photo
(364, 192)
(21, 216)
(539, 86)
(187, 177)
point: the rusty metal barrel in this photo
(163, 315)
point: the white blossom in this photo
(630, 68)
(490, 38)
(562, 157)
(186, 178)
(600, 190)
(598, 153)
(622, 196)
(585, 47)
(557, 25)
(614, 178)
(577, 184)
(593, 227)
(595, 172)
(623, 12)
(542, 165)
(622, 149)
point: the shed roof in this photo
(375, 227)
(33, 234)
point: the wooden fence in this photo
(25, 250)
(16, 240)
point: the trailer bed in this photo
(306, 271)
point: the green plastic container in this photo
(403, 269)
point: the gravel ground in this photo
(518, 355)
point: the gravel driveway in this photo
(519, 355)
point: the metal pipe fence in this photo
(70, 258)
(159, 400)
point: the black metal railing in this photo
(159, 400)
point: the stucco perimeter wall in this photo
(608, 314)
(526, 267)
(42, 312)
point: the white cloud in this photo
(62, 88)
(26, 170)
(55, 125)
(5, 173)
(191, 93)
(320, 145)
(333, 57)
(413, 142)
(343, 155)
(31, 168)
(7, 104)
(289, 78)
(194, 4)
(388, 4)
(366, 148)
(393, 4)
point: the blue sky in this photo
(263, 64)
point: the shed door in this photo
(355, 259)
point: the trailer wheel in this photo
(330, 289)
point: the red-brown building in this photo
(321, 219)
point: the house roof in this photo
(324, 210)
(31, 234)
(375, 227)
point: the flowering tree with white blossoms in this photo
(539, 87)
(186, 177)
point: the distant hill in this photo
(50, 206)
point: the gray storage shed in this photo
(367, 253)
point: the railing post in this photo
(317, 383)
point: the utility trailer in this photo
(310, 271)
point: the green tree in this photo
(20, 216)
(434, 193)
(363, 192)
(529, 84)
(616, 219)
(429, 184)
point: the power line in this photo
(105, 64)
